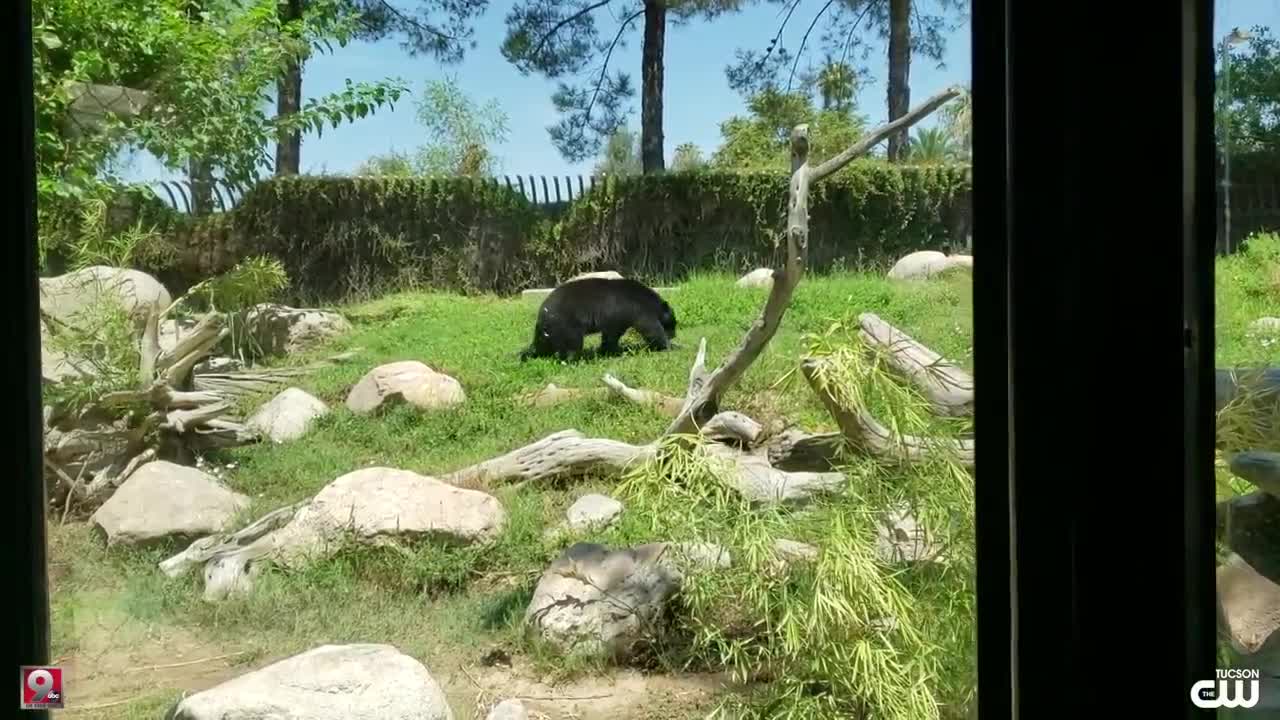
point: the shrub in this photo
(340, 236)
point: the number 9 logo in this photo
(40, 682)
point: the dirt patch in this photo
(622, 695)
(118, 661)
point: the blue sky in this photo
(697, 99)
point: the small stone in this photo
(593, 512)
(288, 415)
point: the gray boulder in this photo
(758, 278)
(66, 296)
(288, 415)
(330, 682)
(408, 381)
(379, 505)
(271, 330)
(593, 512)
(162, 500)
(600, 602)
(924, 264)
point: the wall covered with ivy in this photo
(342, 236)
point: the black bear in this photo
(600, 305)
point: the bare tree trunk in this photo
(899, 71)
(289, 101)
(651, 139)
(199, 175)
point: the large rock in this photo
(274, 330)
(408, 381)
(379, 505)
(927, 263)
(71, 298)
(330, 682)
(163, 500)
(288, 415)
(1250, 604)
(758, 278)
(600, 602)
(592, 512)
(1249, 614)
(66, 296)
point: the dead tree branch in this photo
(703, 396)
(867, 435)
(948, 387)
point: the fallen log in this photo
(865, 434)
(948, 387)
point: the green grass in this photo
(448, 606)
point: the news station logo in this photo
(41, 687)
(1210, 694)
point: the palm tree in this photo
(932, 146)
(837, 84)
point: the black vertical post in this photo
(20, 445)
(1199, 247)
(1111, 578)
(991, 202)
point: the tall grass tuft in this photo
(847, 635)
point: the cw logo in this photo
(1222, 698)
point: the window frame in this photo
(1046, 600)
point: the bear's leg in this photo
(609, 341)
(567, 343)
(651, 330)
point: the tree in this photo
(192, 91)
(1249, 105)
(908, 27)
(931, 146)
(440, 29)
(687, 158)
(461, 135)
(761, 140)
(621, 155)
(461, 132)
(560, 39)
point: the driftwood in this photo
(553, 394)
(948, 387)
(866, 435)
(664, 404)
(214, 546)
(795, 450)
